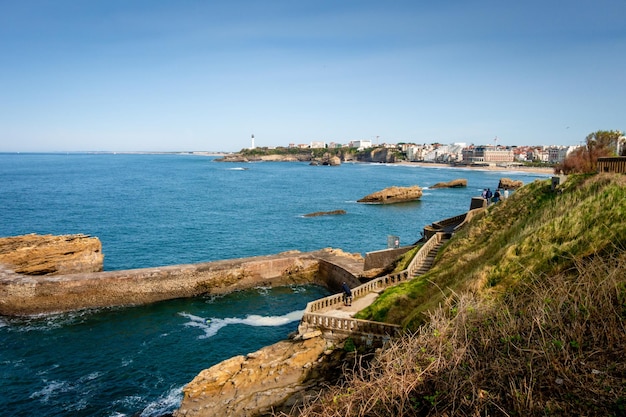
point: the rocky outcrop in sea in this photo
(393, 194)
(458, 183)
(35, 254)
(509, 184)
(325, 213)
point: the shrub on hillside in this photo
(550, 347)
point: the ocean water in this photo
(167, 209)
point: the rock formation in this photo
(22, 294)
(393, 195)
(325, 213)
(237, 157)
(326, 159)
(509, 184)
(273, 378)
(458, 183)
(51, 255)
(378, 154)
(334, 161)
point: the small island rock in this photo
(509, 184)
(325, 213)
(393, 194)
(458, 183)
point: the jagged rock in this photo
(381, 155)
(51, 255)
(458, 183)
(252, 385)
(509, 184)
(232, 158)
(326, 159)
(325, 213)
(393, 195)
(311, 335)
(334, 161)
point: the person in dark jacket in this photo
(347, 294)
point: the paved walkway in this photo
(357, 305)
(343, 311)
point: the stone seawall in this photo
(383, 258)
(24, 295)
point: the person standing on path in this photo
(347, 294)
(489, 194)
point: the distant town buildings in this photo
(461, 153)
(360, 144)
(488, 154)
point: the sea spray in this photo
(211, 326)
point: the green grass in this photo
(523, 314)
(535, 231)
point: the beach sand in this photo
(515, 168)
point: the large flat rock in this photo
(393, 194)
(51, 255)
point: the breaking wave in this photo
(211, 326)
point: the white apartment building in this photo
(488, 154)
(557, 154)
(360, 144)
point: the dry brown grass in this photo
(550, 346)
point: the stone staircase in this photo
(428, 261)
(334, 319)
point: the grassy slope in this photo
(536, 231)
(523, 314)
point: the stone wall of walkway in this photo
(316, 315)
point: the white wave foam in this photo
(165, 404)
(263, 290)
(212, 326)
(297, 289)
(51, 389)
(90, 377)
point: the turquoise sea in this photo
(166, 209)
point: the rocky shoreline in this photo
(42, 287)
(274, 378)
(271, 380)
(378, 156)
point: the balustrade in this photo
(313, 314)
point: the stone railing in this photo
(469, 216)
(314, 313)
(328, 303)
(350, 325)
(421, 255)
(451, 224)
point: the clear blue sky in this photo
(156, 75)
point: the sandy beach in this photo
(516, 168)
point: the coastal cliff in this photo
(317, 156)
(272, 379)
